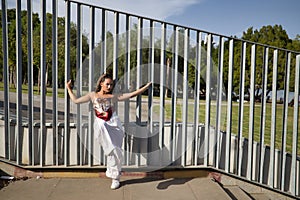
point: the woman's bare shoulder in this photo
(92, 95)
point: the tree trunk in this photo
(39, 80)
(13, 76)
(46, 76)
(168, 79)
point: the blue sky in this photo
(226, 17)
(232, 17)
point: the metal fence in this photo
(190, 117)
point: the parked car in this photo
(280, 97)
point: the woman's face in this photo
(107, 85)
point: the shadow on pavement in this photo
(161, 186)
(139, 180)
(175, 181)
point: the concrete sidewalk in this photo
(99, 188)
(82, 184)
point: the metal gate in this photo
(191, 116)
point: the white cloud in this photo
(157, 9)
(36, 5)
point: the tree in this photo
(274, 36)
(11, 18)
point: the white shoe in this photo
(115, 184)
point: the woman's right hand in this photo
(75, 99)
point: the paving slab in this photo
(29, 189)
(237, 193)
(175, 189)
(206, 188)
(99, 188)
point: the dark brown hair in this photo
(101, 80)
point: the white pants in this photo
(110, 136)
(114, 163)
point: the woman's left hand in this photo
(148, 84)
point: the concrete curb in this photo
(19, 172)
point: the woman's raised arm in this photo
(82, 99)
(126, 96)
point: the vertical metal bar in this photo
(241, 108)
(273, 120)
(138, 81)
(103, 42)
(219, 101)
(103, 58)
(175, 86)
(263, 114)
(251, 114)
(67, 77)
(91, 81)
(139, 66)
(150, 90)
(207, 99)
(116, 52)
(162, 89)
(127, 83)
(43, 82)
(284, 119)
(30, 82)
(6, 79)
(185, 97)
(197, 94)
(116, 46)
(55, 78)
(173, 98)
(295, 129)
(19, 79)
(229, 107)
(79, 80)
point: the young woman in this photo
(107, 125)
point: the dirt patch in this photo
(4, 181)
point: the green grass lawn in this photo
(235, 120)
(60, 91)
